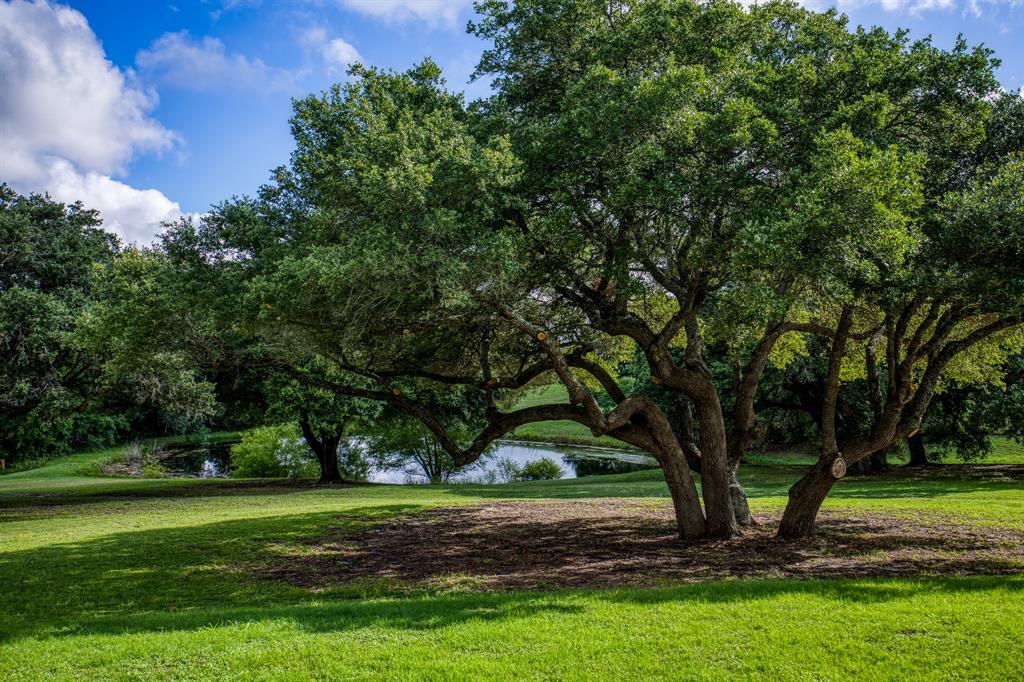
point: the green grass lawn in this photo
(123, 579)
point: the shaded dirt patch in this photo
(616, 542)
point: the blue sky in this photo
(150, 109)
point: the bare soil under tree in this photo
(634, 542)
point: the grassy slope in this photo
(135, 579)
(560, 431)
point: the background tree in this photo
(326, 419)
(50, 383)
(396, 440)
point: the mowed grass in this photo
(124, 579)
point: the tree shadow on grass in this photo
(161, 569)
(431, 612)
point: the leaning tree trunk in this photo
(685, 501)
(806, 496)
(918, 456)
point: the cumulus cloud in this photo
(338, 54)
(436, 12)
(70, 119)
(133, 213)
(182, 61)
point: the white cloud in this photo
(434, 12)
(181, 61)
(133, 213)
(69, 119)
(338, 55)
(61, 95)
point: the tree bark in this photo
(685, 502)
(715, 478)
(329, 472)
(918, 456)
(325, 448)
(740, 507)
(805, 498)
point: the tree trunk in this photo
(805, 498)
(325, 447)
(918, 456)
(740, 507)
(689, 516)
(715, 478)
(328, 459)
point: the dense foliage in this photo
(271, 452)
(49, 379)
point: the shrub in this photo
(544, 469)
(94, 467)
(352, 462)
(23, 465)
(152, 470)
(271, 452)
(507, 471)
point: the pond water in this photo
(214, 461)
(575, 462)
(193, 461)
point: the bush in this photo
(271, 452)
(544, 469)
(507, 471)
(352, 462)
(23, 465)
(153, 470)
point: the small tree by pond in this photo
(404, 444)
(326, 419)
(271, 452)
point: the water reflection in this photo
(203, 461)
(214, 461)
(575, 462)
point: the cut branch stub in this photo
(406, 331)
(542, 336)
(838, 466)
(396, 392)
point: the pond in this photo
(575, 462)
(214, 461)
(197, 461)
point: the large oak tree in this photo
(649, 177)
